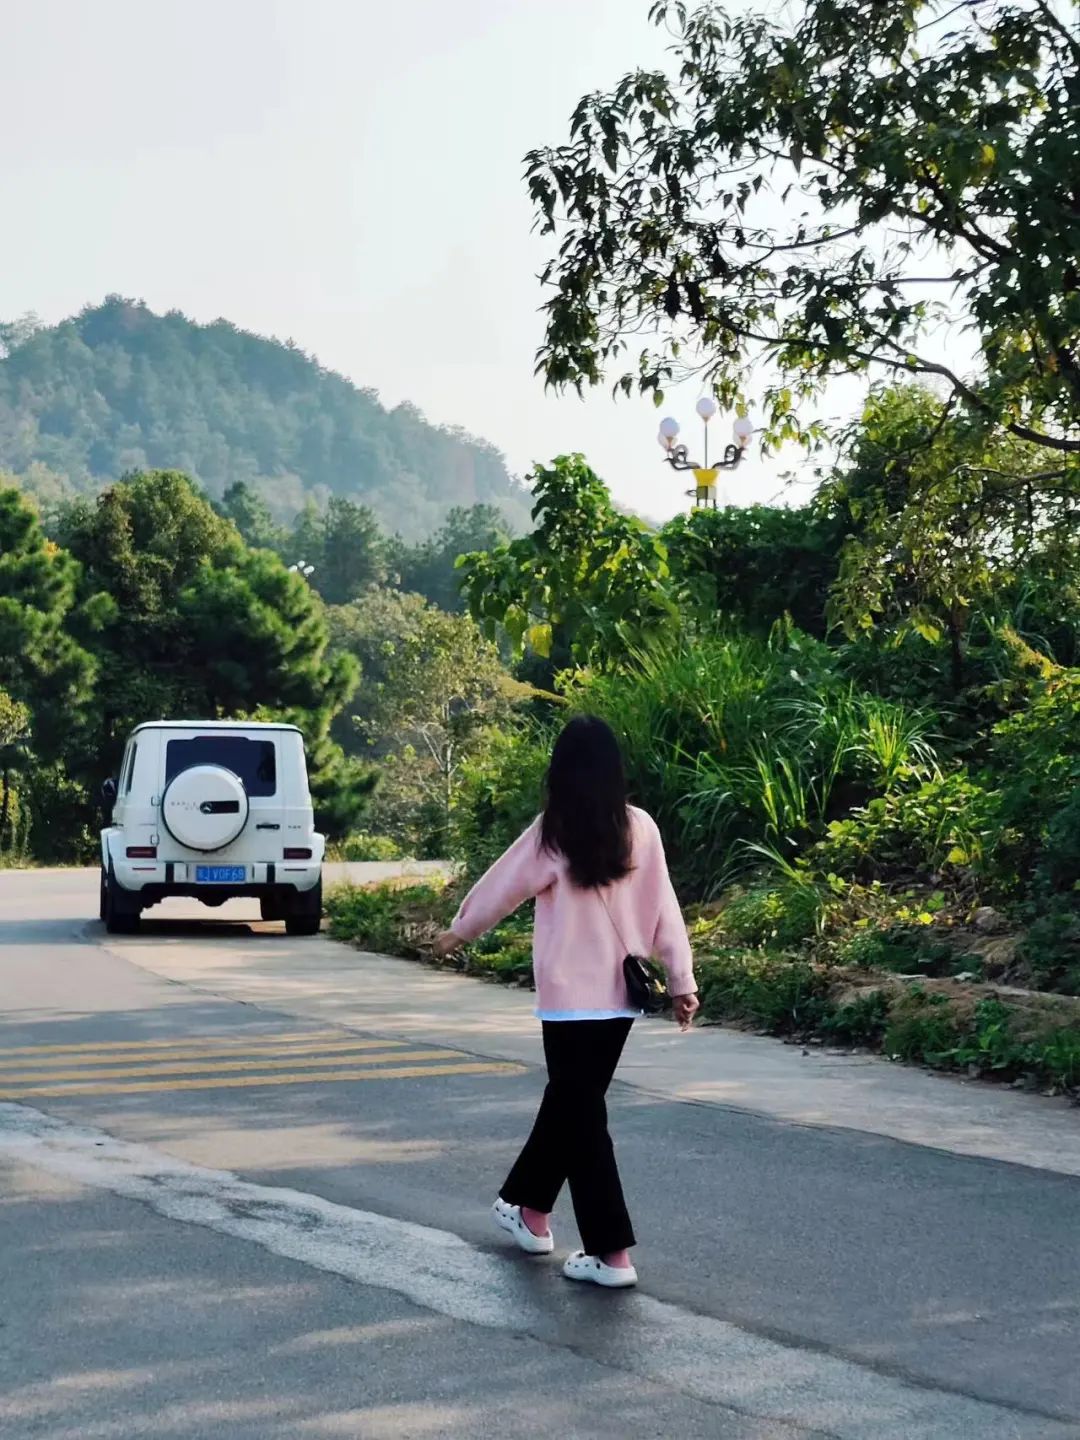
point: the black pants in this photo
(570, 1140)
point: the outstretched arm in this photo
(519, 874)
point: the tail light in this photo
(296, 853)
(142, 852)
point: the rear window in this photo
(254, 761)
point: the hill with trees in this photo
(118, 389)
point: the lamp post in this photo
(678, 456)
(300, 568)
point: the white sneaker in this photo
(508, 1218)
(592, 1269)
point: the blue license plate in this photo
(220, 874)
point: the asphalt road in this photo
(221, 1219)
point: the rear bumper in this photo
(156, 879)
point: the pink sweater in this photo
(577, 955)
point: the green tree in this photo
(352, 554)
(252, 516)
(142, 543)
(799, 182)
(943, 515)
(202, 626)
(757, 564)
(41, 665)
(430, 568)
(304, 542)
(445, 684)
(431, 685)
(587, 578)
(372, 631)
(14, 735)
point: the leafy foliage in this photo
(404, 922)
(1036, 750)
(781, 916)
(941, 518)
(184, 619)
(500, 794)
(41, 665)
(920, 146)
(431, 686)
(363, 846)
(430, 567)
(587, 578)
(734, 741)
(756, 565)
(14, 732)
(943, 822)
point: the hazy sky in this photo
(341, 172)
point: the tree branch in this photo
(1046, 10)
(1039, 478)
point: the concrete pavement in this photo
(324, 981)
(807, 1278)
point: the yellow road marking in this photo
(197, 1053)
(131, 1072)
(260, 1039)
(233, 1082)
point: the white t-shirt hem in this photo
(588, 1014)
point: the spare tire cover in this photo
(205, 807)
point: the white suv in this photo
(214, 810)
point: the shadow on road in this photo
(155, 927)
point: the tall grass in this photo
(734, 741)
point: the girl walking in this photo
(596, 868)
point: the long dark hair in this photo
(585, 816)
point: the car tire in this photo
(103, 897)
(122, 912)
(307, 917)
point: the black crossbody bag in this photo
(645, 989)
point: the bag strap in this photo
(611, 917)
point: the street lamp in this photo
(678, 456)
(301, 569)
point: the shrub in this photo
(509, 961)
(906, 950)
(756, 563)
(405, 805)
(1058, 867)
(1036, 752)
(989, 1043)
(861, 1021)
(777, 993)
(941, 822)
(734, 740)
(922, 1027)
(390, 919)
(58, 808)
(1049, 954)
(499, 793)
(14, 826)
(773, 991)
(396, 919)
(1057, 1056)
(781, 915)
(362, 846)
